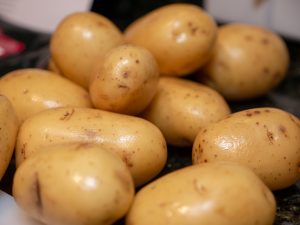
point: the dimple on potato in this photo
(124, 80)
(138, 142)
(213, 193)
(247, 62)
(72, 184)
(8, 133)
(33, 90)
(181, 108)
(267, 140)
(79, 39)
(181, 37)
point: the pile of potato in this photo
(96, 126)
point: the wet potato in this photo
(74, 184)
(265, 139)
(124, 80)
(33, 90)
(181, 108)
(138, 142)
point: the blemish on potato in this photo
(67, 115)
(270, 136)
(266, 70)
(37, 193)
(265, 41)
(248, 37)
(137, 61)
(125, 74)
(123, 86)
(199, 188)
(283, 130)
(126, 157)
(25, 91)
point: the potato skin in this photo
(182, 107)
(78, 40)
(8, 133)
(247, 62)
(74, 184)
(34, 90)
(138, 142)
(211, 193)
(180, 36)
(125, 80)
(265, 139)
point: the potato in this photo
(180, 36)
(212, 193)
(182, 107)
(78, 40)
(33, 90)
(8, 133)
(139, 143)
(125, 80)
(248, 61)
(265, 139)
(74, 184)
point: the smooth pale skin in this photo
(78, 40)
(34, 90)
(248, 61)
(8, 133)
(180, 36)
(181, 108)
(211, 193)
(124, 80)
(138, 142)
(74, 184)
(265, 139)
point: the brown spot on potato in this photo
(205, 160)
(37, 192)
(256, 112)
(257, 123)
(270, 136)
(265, 41)
(283, 130)
(267, 110)
(266, 70)
(126, 157)
(137, 61)
(25, 91)
(67, 115)
(199, 188)
(249, 114)
(123, 86)
(23, 150)
(248, 38)
(125, 74)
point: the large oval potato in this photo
(138, 142)
(212, 193)
(8, 133)
(180, 36)
(124, 80)
(74, 184)
(265, 139)
(248, 61)
(78, 40)
(33, 90)
(182, 107)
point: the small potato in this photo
(8, 133)
(33, 90)
(181, 108)
(74, 184)
(125, 80)
(248, 61)
(211, 193)
(78, 40)
(265, 139)
(180, 36)
(138, 142)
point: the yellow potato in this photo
(139, 143)
(33, 90)
(181, 108)
(248, 61)
(74, 184)
(180, 36)
(8, 133)
(265, 139)
(124, 80)
(212, 193)
(78, 40)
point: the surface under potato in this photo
(79, 39)
(181, 108)
(248, 61)
(124, 80)
(138, 142)
(180, 36)
(8, 133)
(265, 139)
(212, 193)
(34, 90)
(74, 184)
